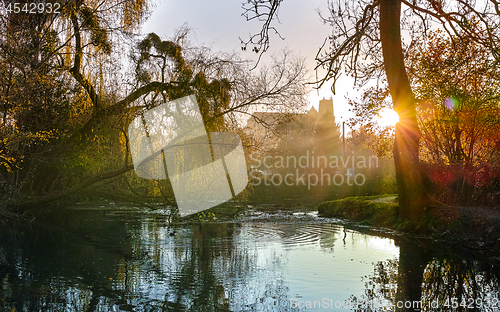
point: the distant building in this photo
(325, 109)
(314, 130)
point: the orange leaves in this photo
(456, 84)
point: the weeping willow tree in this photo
(68, 95)
(56, 70)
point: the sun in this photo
(388, 117)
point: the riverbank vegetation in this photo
(455, 82)
(446, 100)
(477, 228)
(70, 85)
(371, 210)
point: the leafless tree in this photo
(366, 43)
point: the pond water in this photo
(104, 260)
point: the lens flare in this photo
(451, 103)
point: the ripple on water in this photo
(291, 235)
(123, 261)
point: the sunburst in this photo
(388, 117)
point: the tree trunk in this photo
(408, 172)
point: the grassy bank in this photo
(471, 227)
(368, 210)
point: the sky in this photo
(219, 23)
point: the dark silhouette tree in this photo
(366, 43)
(457, 95)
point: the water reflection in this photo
(432, 278)
(462, 284)
(98, 260)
